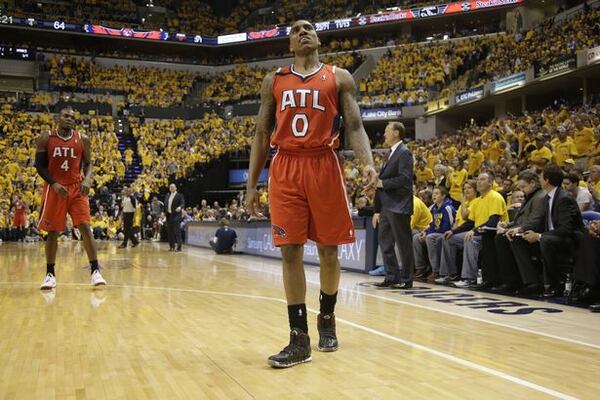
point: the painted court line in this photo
(448, 357)
(362, 293)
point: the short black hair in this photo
(573, 177)
(553, 174)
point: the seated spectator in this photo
(485, 212)
(582, 195)
(530, 216)
(427, 245)
(225, 238)
(448, 271)
(517, 198)
(559, 239)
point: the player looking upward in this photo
(299, 116)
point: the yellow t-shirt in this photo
(421, 217)
(537, 156)
(494, 151)
(563, 151)
(474, 162)
(424, 175)
(457, 180)
(482, 208)
(584, 140)
(459, 218)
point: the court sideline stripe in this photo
(526, 330)
(448, 357)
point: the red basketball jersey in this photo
(65, 157)
(19, 207)
(307, 113)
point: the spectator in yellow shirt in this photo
(423, 173)
(541, 155)
(563, 146)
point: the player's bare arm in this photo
(265, 122)
(355, 131)
(87, 165)
(41, 165)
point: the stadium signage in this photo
(469, 95)
(233, 38)
(378, 114)
(508, 83)
(593, 55)
(557, 68)
(256, 238)
(240, 176)
(436, 105)
(474, 301)
(459, 7)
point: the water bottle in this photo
(479, 277)
(568, 286)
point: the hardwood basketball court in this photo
(200, 326)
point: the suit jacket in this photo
(397, 177)
(178, 201)
(530, 216)
(565, 214)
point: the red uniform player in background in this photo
(60, 157)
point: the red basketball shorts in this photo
(55, 208)
(307, 198)
(19, 220)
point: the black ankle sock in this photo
(297, 317)
(327, 302)
(50, 269)
(94, 266)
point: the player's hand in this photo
(85, 188)
(375, 220)
(448, 234)
(252, 202)
(372, 180)
(178, 209)
(60, 189)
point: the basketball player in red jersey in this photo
(60, 156)
(299, 116)
(19, 223)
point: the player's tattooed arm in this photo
(355, 131)
(265, 122)
(87, 165)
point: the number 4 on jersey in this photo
(65, 165)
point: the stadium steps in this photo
(128, 141)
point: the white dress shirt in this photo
(551, 195)
(171, 197)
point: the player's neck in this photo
(63, 132)
(305, 64)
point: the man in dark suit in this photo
(563, 230)
(394, 207)
(174, 203)
(508, 236)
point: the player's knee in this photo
(292, 253)
(328, 255)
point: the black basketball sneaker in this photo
(297, 352)
(326, 327)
